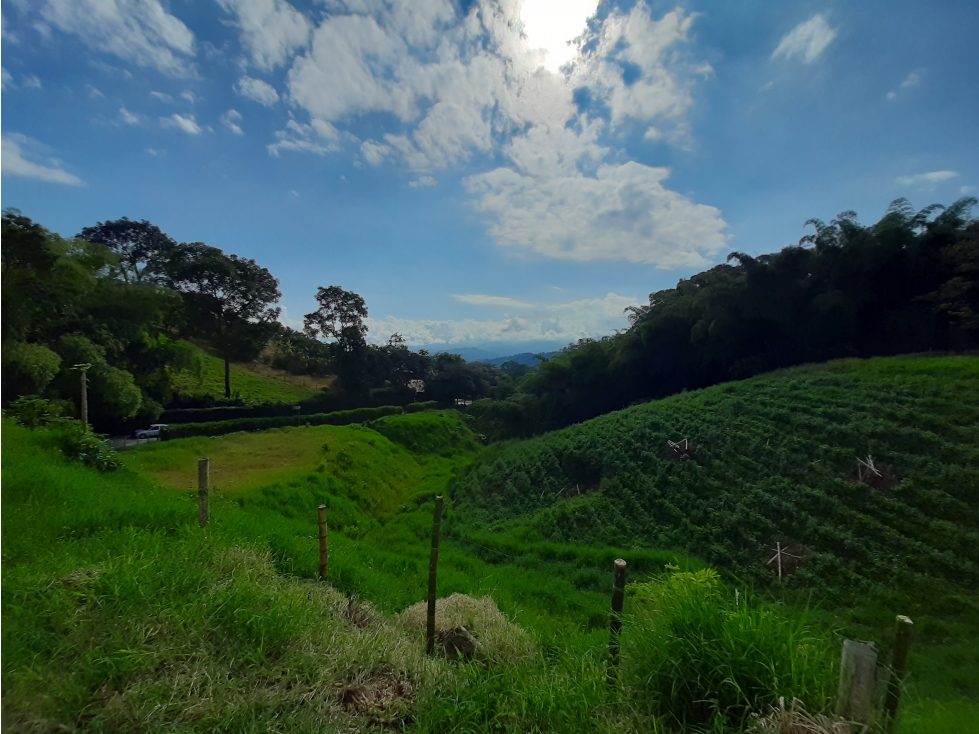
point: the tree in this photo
(340, 316)
(229, 299)
(138, 243)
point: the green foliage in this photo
(77, 443)
(445, 432)
(422, 406)
(696, 655)
(774, 458)
(206, 378)
(28, 368)
(338, 418)
(906, 284)
(32, 411)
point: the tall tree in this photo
(229, 299)
(340, 316)
(138, 244)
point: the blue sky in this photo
(476, 179)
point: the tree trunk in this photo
(227, 376)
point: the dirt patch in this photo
(679, 450)
(456, 644)
(880, 477)
(792, 554)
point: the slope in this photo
(774, 460)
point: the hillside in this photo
(253, 381)
(119, 613)
(774, 460)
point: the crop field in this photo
(254, 382)
(121, 614)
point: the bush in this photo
(697, 655)
(32, 411)
(339, 418)
(419, 407)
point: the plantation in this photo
(121, 614)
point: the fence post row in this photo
(324, 555)
(615, 625)
(433, 576)
(203, 483)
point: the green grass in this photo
(120, 614)
(252, 382)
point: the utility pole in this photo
(83, 369)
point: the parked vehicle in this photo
(153, 431)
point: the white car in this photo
(152, 432)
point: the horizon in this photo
(477, 193)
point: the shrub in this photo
(698, 656)
(419, 407)
(77, 443)
(32, 411)
(338, 418)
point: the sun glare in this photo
(550, 24)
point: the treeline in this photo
(909, 283)
(117, 300)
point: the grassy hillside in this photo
(120, 614)
(253, 381)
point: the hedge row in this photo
(339, 418)
(419, 407)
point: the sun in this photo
(550, 24)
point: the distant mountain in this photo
(497, 354)
(522, 358)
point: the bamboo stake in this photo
(324, 556)
(615, 626)
(203, 483)
(778, 546)
(899, 664)
(433, 576)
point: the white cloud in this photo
(93, 92)
(162, 96)
(807, 40)
(31, 82)
(422, 182)
(462, 87)
(559, 323)
(257, 90)
(138, 31)
(14, 163)
(128, 117)
(622, 213)
(8, 79)
(318, 137)
(230, 120)
(477, 299)
(966, 190)
(186, 123)
(374, 153)
(8, 35)
(189, 96)
(927, 180)
(154, 152)
(271, 30)
(911, 80)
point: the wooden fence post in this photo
(615, 626)
(858, 672)
(899, 664)
(324, 556)
(203, 483)
(433, 566)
